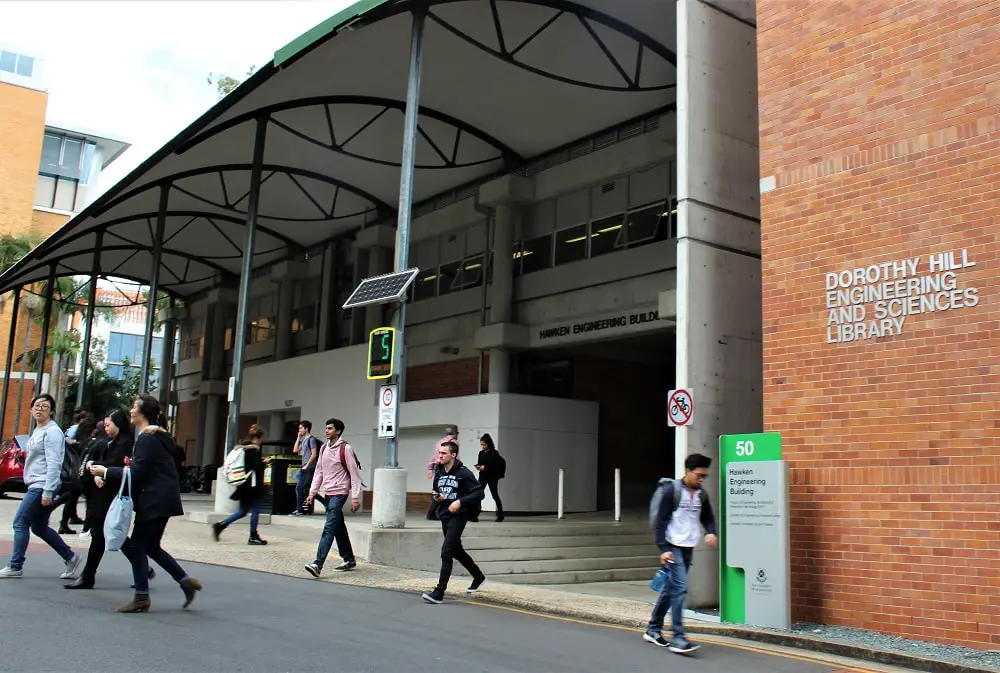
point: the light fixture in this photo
(606, 230)
(473, 266)
(577, 239)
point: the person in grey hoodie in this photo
(42, 470)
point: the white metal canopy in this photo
(504, 81)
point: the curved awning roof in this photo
(503, 81)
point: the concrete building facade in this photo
(880, 132)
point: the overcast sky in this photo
(137, 70)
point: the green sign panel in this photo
(752, 506)
(381, 353)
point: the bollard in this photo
(560, 515)
(618, 494)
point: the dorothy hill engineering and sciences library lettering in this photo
(876, 301)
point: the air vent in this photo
(630, 131)
(581, 150)
(607, 187)
(607, 140)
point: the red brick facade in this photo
(880, 124)
(453, 378)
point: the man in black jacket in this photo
(684, 510)
(457, 494)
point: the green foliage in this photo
(225, 84)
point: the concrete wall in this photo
(718, 247)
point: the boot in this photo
(255, 540)
(217, 529)
(83, 582)
(191, 587)
(140, 603)
(66, 530)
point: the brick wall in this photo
(22, 125)
(880, 123)
(44, 224)
(186, 428)
(453, 378)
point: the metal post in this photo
(406, 212)
(618, 494)
(46, 322)
(154, 288)
(89, 333)
(239, 333)
(561, 479)
(167, 363)
(10, 358)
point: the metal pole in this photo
(50, 289)
(154, 288)
(406, 213)
(239, 333)
(167, 363)
(618, 494)
(88, 335)
(10, 359)
(561, 479)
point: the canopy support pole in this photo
(50, 289)
(246, 272)
(10, 359)
(154, 288)
(89, 333)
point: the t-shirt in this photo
(307, 446)
(685, 525)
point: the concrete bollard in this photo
(389, 498)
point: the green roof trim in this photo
(318, 32)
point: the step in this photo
(553, 541)
(539, 553)
(581, 577)
(647, 563)
(527, 529)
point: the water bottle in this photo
(660, 580)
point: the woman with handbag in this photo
(251, 492)
(112, 448)
(155, 488)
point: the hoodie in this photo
(459, 484)
(434, 456)
(330, 477)
(44, 458)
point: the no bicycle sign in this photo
(680, 408)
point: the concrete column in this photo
(719, 348)
(505, 217)
(276, 425)
(283, 331)
(212, 437)
(329, 312)
(359, 315)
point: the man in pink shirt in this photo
(336, 477)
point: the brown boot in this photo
(191, 588)
(140, 603)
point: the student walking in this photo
(457, 495)
(72, 489)
(42, 468)
(336, 478)
(450, 435)
(492, 468)
(110, 449)
(251, 492)
(156, 496)
(307, 445)
(684, 510)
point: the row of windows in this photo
(67, 157)
(17, 64)
(60, 193)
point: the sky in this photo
(137, 69)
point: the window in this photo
(447, 275)
(17, 64)
(425, 286)
(571, 245)
(65, 195)
(536, 254)
(605, 235)
(305, 305)
(644, 225)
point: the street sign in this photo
(387, 411)
(381, 353)
(755, 579)
(680, 408)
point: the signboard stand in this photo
(755, 582)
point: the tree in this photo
(225, 84)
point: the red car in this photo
(12, 453)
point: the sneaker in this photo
(217, 529)
(313, 569)
(66, 530)
(681, 645)
(655, 638)
(10, 572)
(85, 535)
(436, 597)
(476, 583)
(72, 568)
(347, 565)
(295, 514)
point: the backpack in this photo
(70, 471)
(661, 490)
(234, 468)
(343, 462)
(501, 467)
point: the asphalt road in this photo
(246, 621)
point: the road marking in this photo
(703, 637)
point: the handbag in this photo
(119, 518)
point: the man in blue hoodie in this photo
(684, 511)
(42, 476)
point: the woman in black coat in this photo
(492, 468)
(251, 492)
(156, 497)
(110, 447)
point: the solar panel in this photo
(382, 289)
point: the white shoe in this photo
(85, 535)
(9, 572)
(72, 568)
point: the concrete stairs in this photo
(560, 552)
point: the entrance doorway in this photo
(630, 379)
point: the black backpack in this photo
(70, 472)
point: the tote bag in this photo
(119, 518)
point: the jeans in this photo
(452, 527)
(302, 488)
(32, 517)
(335, 528)
(673, 594)
(144, 544)
(252, 507)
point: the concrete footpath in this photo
(292, 543)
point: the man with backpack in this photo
(337, 476)
(678, 511)
(306, 445)
(457, 496)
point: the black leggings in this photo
(96, 552)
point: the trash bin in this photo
(280, 478)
